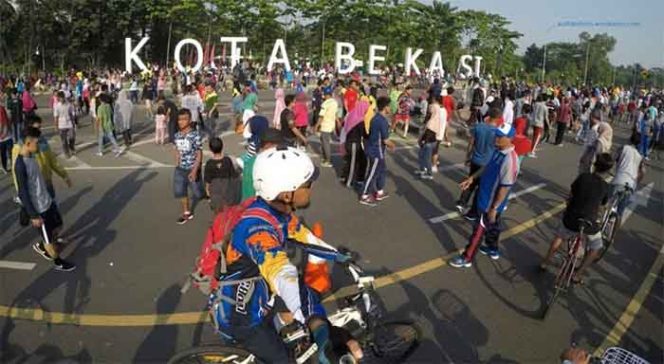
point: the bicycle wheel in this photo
(562, 277)
(394, 341)
(609, 234)
(212, 354)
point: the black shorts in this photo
(52, 220)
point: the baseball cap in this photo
(327, 90)
(505, 130)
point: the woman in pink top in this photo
(280, 105)
(301, 111)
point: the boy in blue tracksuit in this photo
(374, 146)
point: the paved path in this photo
(123, 303)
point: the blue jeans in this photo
(645, 143)
(627, 198)
(424, 156)
(110, 137)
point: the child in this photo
(221, 178)
(160, 125)
(189, 156)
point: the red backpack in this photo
(211, 262)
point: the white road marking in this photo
(135, 157)
(16, 265)
(78, 162)
(455, 214)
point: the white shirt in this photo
(627, 167)
(508, 112)
(193, 103)
(62, 113)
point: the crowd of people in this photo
(507, 123)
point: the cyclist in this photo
(630, 168)
(588, 192)
(257, 259)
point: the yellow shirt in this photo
(328, 113)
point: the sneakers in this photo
(380, 196)
(184, 218)
(39, 248)
(428, 176)
(560, 145)
(460, 262)
(98, 154)
(64, 266)
(418, 172)
(532, 155)
(326, 164)
(491, 252)
(434, 169)
(368, 201)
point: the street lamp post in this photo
(585, 69)
(544, 63)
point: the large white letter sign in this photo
(410, 60)
(478, 60)
(436, 64)
(278, 46)
(235, 51)
(463, 63)
(132, 54)
(339, 56)
(199, 54)
(373, 57)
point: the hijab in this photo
(279, 107)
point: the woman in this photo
(301, 111)
(122, 116)
(431, 138)
(6, 141)
(279, 107)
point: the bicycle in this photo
(565, 274)
(388, 342)
(610, 220)
(616, 355)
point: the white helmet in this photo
(281, 169)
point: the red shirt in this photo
(520, 125)
(522, 144)
(350, 99)
(448, 104)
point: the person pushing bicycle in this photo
(588, 192)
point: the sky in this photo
(637, 25)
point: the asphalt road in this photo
(123, 303)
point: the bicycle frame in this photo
(566, 272)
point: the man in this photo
(630, 168)
(37, 201)
(646, 126)
(327, 122)
(317, 100)
(564, 120)
(188, 158)
(497, 180)
(450, 105)
(375, 144)
(256, 256)
(290, 133)
(481, 147)
(192, 101)
(106, 127)
(64, 122)
(588, 192)
(46, 159)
